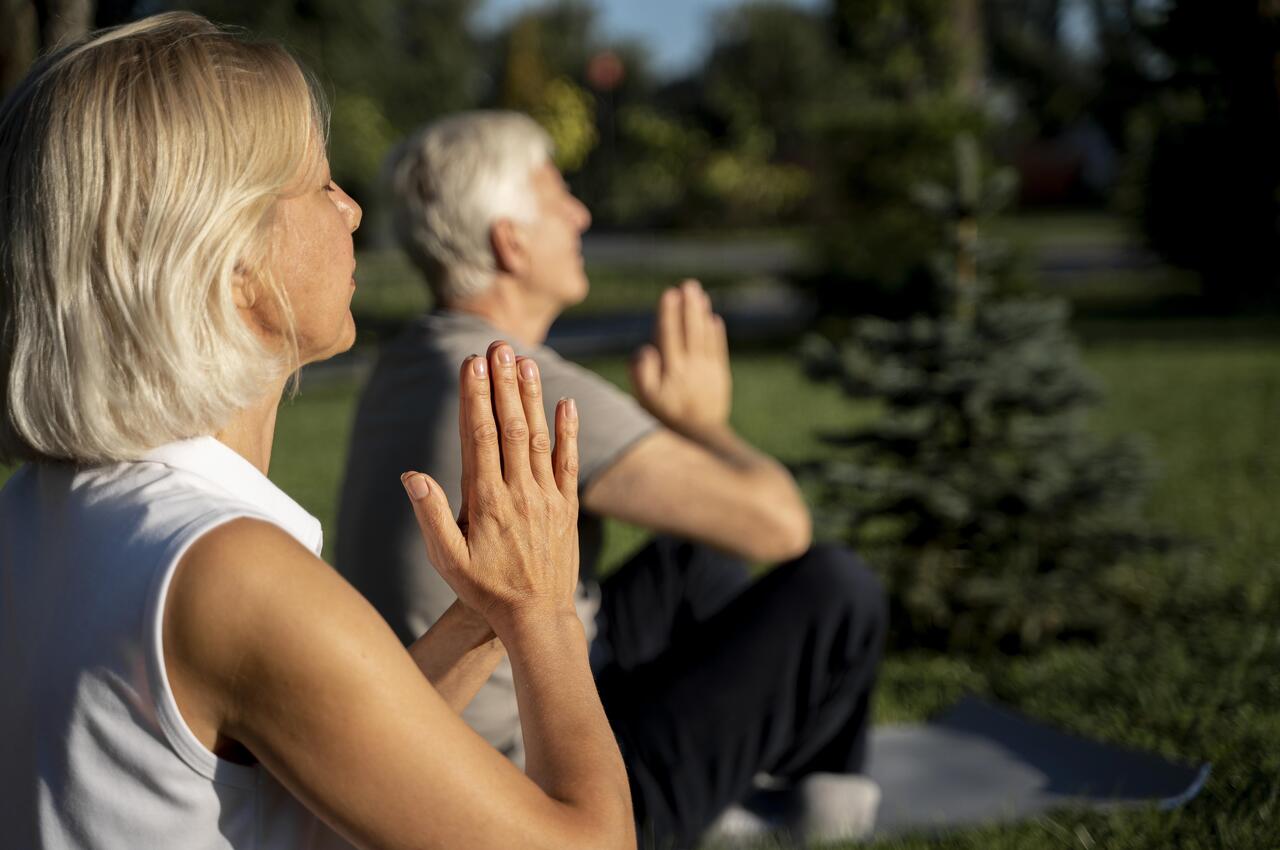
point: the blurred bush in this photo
(568, 114)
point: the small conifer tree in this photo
(980, 492)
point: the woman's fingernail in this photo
(479, 367)
(505, 355)
(572, 409)
(528, 369)
(417, 486)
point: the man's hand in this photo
(515, 546)
(683, 378)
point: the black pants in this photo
(711, 678)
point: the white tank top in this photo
(96, 753)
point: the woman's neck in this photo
(251, 432)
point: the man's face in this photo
(555, 239)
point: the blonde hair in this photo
(450, 181)
(139, 169)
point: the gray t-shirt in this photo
(408, 420)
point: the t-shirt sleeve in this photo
(611, 422)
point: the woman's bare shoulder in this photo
(246, 595)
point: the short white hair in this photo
(139, 173)
(451, 181)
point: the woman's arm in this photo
(265, 645)
(457, 654)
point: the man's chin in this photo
(579, 293)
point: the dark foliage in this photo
(1206, 177)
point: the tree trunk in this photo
(17, 42)
(971, 48)
(63, 20)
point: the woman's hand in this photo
(514, 545)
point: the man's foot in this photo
(738, 825)
(834, 807)
(820, 808)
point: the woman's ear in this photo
(510, 253)
(244, 294)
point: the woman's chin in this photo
(341, 344)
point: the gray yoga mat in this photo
(980, 762)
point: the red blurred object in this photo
(605, 71)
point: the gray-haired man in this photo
(709, 679)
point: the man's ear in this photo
(510, 251)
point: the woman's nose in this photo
(349, 208)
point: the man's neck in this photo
(523, 318)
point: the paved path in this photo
(752, 313)
(778, 256)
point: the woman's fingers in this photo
(536, 417)
(481, 460)
(464, 439)
(565, 460)
(509, 410)
(446, 547)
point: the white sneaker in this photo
(737, 825)
(835, 807)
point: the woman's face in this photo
(312, 257)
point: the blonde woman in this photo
(180, 669)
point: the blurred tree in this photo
(526, 72)
(544, 53)
(19, 42)
(653, 162)
(439, 66)
(768, 62)
(901, 48)
(993, 511)
(1060, 81)
(639, 172)
(906, 85)
(1205, 175)
(755, 94)
(389, 65)
(63, 20)
(33, 27)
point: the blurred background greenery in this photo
(1099, 270)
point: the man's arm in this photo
(696, 477)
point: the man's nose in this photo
(581, 216)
